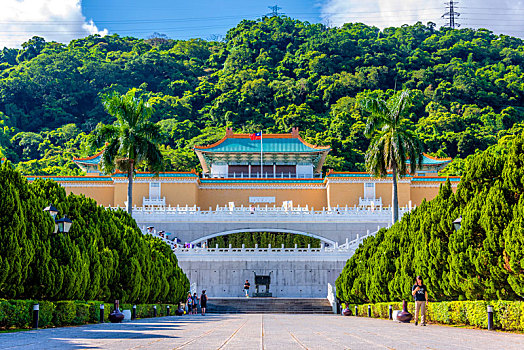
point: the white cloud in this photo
(54, 20)
(502, 16)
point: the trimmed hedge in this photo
(507, 315)
(19, 313)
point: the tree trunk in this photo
(394, 199)
(130, 188)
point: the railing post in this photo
(490, 317)
(36, 315)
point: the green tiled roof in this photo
(440, 178)
(157, 175)
(269, 145)
(72, 179)
(335, 174)
(432, 161)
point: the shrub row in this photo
(19, 313)
(507, 315)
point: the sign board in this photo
(261, 199)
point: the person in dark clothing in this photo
(195, 303)
(203, 302)
(246, 288)
(420, 293)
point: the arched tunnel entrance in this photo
(264, 237)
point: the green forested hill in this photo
(271, 74)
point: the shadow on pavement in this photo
(72, 337)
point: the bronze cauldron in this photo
(404, 316)
(116, 316)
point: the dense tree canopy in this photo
(103, 257)
(483, 260)
(272, 74)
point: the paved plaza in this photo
(256, 331)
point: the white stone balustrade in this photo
(346, 249)
(370, 202)
(154, 201)
(261, 213)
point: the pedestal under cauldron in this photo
(262, 280)
(116, 316)
(405, 316)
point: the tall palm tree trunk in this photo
(394, 199)
(130, 188)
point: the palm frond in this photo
(398, 105)
(378, 114)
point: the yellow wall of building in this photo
(102, 195)
(342, 194)
(384, 190)
(419, 193)
(180, 194)
(140, 190)
(315, 198)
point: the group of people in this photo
(193, 302)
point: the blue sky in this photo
(187, 19)
(64, 20)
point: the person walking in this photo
(420, 293)
(246, 288)
(195, 303)
(189, 304)
(203, 302)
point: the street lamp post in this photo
(457, 223)
(62, 225)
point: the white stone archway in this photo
(273, 230)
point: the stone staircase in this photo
(269, 306)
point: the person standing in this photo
(195, 303)
(246, 288)
(420, 293)
(189, 304)
(203, 302)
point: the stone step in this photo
(269, 305)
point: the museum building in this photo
(273, 169)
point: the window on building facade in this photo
(154, 190)
(369, 190)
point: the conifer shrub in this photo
(65, 313)
(104, 256)
(15, 312)
(483, 260)
(82, 313)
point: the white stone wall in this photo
(225, 277)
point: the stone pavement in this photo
(256, 331)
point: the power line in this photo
(451, 14)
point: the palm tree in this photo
(131, 141)
(393, 142)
